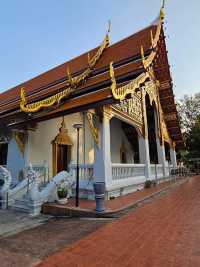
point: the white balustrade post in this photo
(102, 164)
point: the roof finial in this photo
(162, 12)
(108, 31)
(63, 122)
(109, 26)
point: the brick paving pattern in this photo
(163, 233)
(119, 202)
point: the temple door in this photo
(62, 148)
(63, 157)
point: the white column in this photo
(161, 156)
(173, 157)
(102, 164)
(144, 154)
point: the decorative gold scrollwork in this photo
(121, 92)
(165, 132)
(154, 41)
(20, 139)
(73, 83)
(151, 90)
(92, 123)
(47, 102)
(91, 63)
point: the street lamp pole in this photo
(77, 127)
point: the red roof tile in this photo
(123, 49)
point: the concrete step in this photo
(22, 205)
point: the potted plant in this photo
(62, 192)
(147, 184)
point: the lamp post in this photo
(77, 126)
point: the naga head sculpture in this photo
(5, 178)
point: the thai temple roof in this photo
(129, 62)
(124, 49)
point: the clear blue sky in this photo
(38, 35)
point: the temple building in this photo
(120, 94)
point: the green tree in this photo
(194, 140)
(189, 110)
(189, 113)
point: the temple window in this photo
(3, 153)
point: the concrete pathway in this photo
(28, 248)
(12, 221)
(165, 232)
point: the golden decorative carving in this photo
(91, 62)
(20, 139)
(93, 127)
(107, 112)
(165, 132)
(162, 12)
(144, 113)
(154, 41)
(131, 107)
(121, 92)
(73, 83)
(151, 89)
(63, 138)
(47, 102)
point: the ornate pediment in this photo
(62, 137)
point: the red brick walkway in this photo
(163, 233)
(119, 202)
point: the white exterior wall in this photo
(15, 160)
(40, 141)
(118, 138)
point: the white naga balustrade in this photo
(159, 169)
(156, 170)
(85, 171)
(123, 171)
